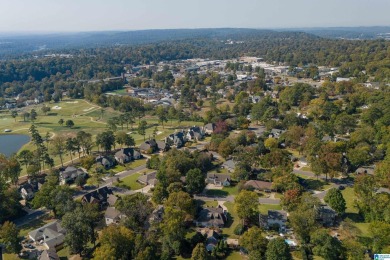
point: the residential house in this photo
(70, 174)
(302, 161)
(218, 179)
(277, 217)
(212, 238)
(255, 99)
(209, 128)
(230, 165)
(157, 214)
(104, 161)
(259, 185)
(276, 133)
(113, 216)
(28, 190)
(148, 146)
(50, 254)
(99, 197)
(177, 139)
(126, 155)
(211, 217)
(112, 199)
(162, 146)
(195, 133)
(366, 170)
(148, 179)
(326, 215)
(50, 235)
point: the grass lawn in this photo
(10, 257)
(64, 253)
(265, 207)
(34, 225)
(232, 190)
(131, 181)
(233, 220)
(235, 256)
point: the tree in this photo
(195, 181)
(70, 146)
(181, 201)
(326, 246)
(199, 252)
(226, 148)
(69, 123)
(79, 225)
(380, 231)
(61, 122)
(246, 204)
(33, 115)
(111, 124)
(336, 201)
(303, 219)
(123, 138)
(116, 242)
(162, 115)
(137, 209)
(14, 114)
(9, 236)
(12, 170)
(253, 240)
(142, 128)
(59, 146)
(25, 157)
(278, 249)
(271, 143)
(106, 140)
(45, 109)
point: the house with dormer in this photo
(211, 217)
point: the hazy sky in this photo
(96, 15)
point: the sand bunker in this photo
(72, 102)
(88, 109)
(56, 108)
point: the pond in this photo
(10, 144)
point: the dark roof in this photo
(218, 176)
(214, 216)
(50, 254)
(277, 214)
(100, 195)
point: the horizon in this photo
(37, 32)
(120, 15)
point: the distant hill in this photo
(12, 45)
(353, 33)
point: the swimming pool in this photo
(290, 242)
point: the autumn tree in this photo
(246, 205)
(116, 242)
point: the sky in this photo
(104, 15)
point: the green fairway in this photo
(87, 117)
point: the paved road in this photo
(231, 199)
(33, 215)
